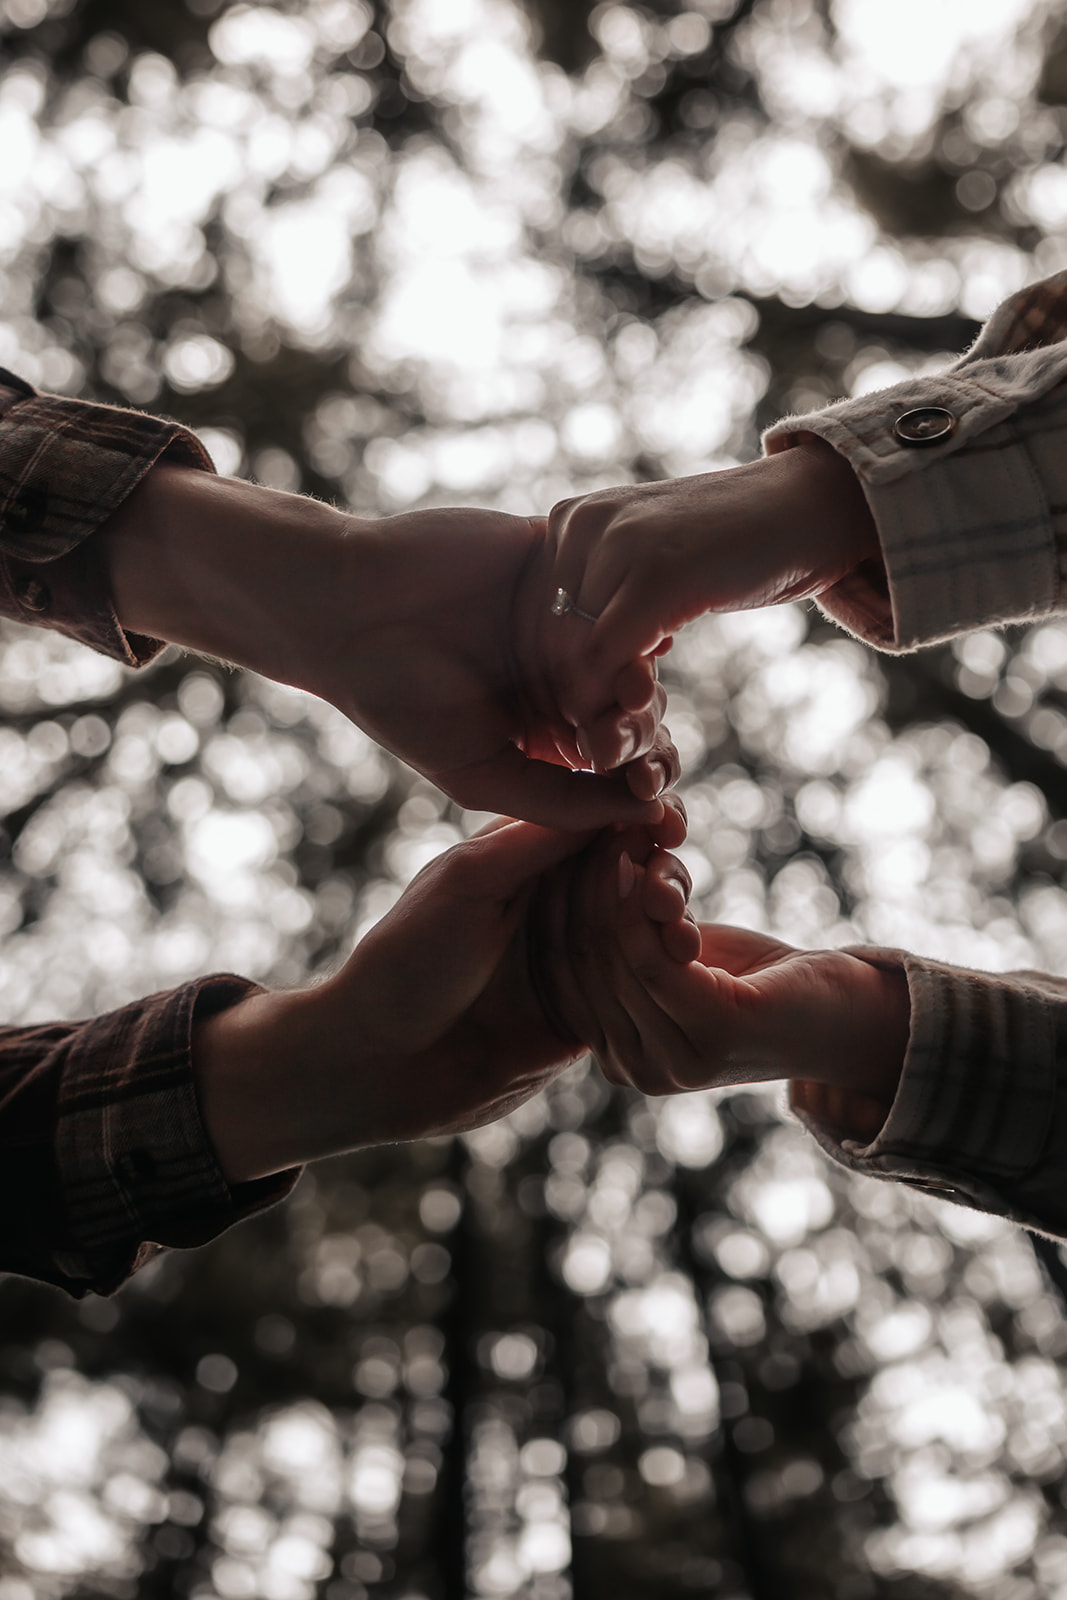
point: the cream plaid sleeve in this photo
(980, 1115)
(973, 529)
(973, 526)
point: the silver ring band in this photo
(564, 605)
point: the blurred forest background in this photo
(477, 251)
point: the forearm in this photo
(261, 1071)
(104, 1158)
(229, 568)
(980, 1112)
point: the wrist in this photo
(228, 568)
(819, 509)
(247, 1066)
(284, 1078)
(852, 1087)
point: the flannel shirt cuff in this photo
(973, 529)
(977, 1099)
(136, 1168)
(965, 528)
(65, 467)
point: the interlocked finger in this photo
(672, 1057)
(600, 906)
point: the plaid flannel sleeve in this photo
(104, 1159)
(973, 528)
(65, 466)
(980, 1116)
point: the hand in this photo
(682, 1006)
(433, 670)
(432, 1026)
(647, 558)
(406, 624)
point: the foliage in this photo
(390, 255)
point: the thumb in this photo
(542, 792)
(504, 857)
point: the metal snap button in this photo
(925, 425)
(32, 594)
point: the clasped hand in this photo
(505, 959)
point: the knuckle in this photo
(676, 803)
(678, 872)
(646, 970)
(653, 1081)
(561, 512)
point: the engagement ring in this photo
(564, 606)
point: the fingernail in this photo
(629, 740)
(626, 876)
(582, 742)
(684, 887)
(660, 775)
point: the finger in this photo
(635, 685)
(639, 614)
(739, 950)
(614, 738)
(610, 1071)
(667, 887)
(504, 858)
(671, 830)
(657, 771)
(633, 625)
(561, 952)
(655, 1051)
(549, 795)
(609, 880)
(704, 1004)
(681, 940)
(492, 826)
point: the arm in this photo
(446, 1015)
(103, 1154)
(163, 1123)
(903, 1068)
(432, 1026)
(111, 529)
(906, 529)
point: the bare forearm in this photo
(226, 567)
(285, 1078)
(249, 1066)
(852, 1087)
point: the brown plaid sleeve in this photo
(973, 529)
(980, 1115)
(104, 1158)
(65, 466)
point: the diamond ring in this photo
(564, 605)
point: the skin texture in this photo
(510, 953)
(502, 962)
(411, 625)
(435, 1024)
(645, 559)
(670, 1005)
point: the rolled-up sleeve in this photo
(104, 1157)
(970, 505)
(65, 467)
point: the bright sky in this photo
(525, 404)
